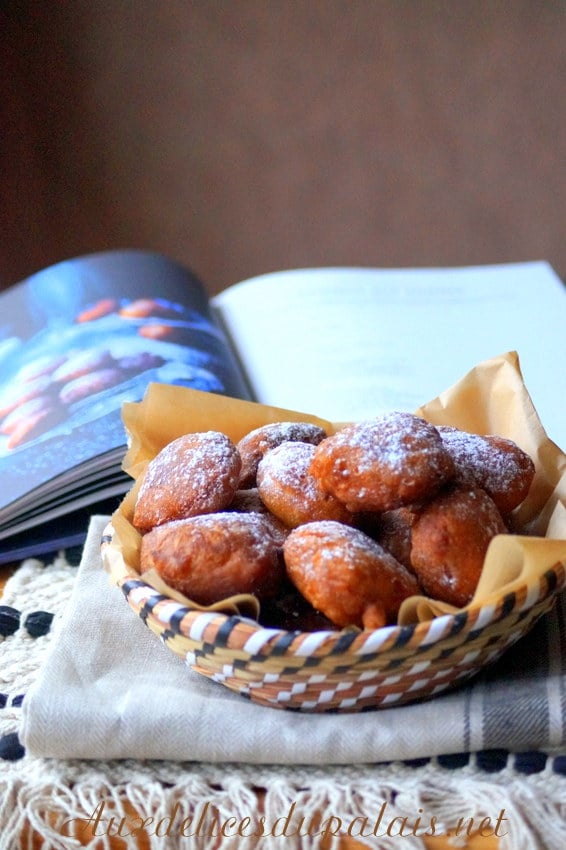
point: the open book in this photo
(80, 338)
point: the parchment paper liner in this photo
(490, 399)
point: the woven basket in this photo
(351, 670)
(344, 670)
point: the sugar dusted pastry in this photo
(346, 575)
(393, 531)
(211, 557)
(249, 501)
(289, 490)
(194, 474)
(449, 540)
(384, 463)
(357, 521)
(497, 465)
(256, 443)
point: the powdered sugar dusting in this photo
(189, 458)
(287, 466)
(342, 542)
(254, 445)
(281, 432)
(383, 463)
(196, 473)
(254, 526)
(494, 463)
(345, 574)
(389, 439)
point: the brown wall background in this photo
(245, 136)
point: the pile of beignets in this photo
(329, 531)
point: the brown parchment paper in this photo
(490, 399)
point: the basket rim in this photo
(473, 618)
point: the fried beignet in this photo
(214, 556)
(346, 575)
(392, 530)
(194, 474)
(382, 464)
(495, 464)
(287, 488)
(254, 445)
(449, 539)
(249, 501)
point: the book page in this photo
(77, 340)
(351, 343)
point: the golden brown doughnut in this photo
(209, 558)
(194, 474)
(256, 443)
(495, 464)
(287, 488)
(392, 530)
(346, 575)
(386, 463)
(449, 539)
(249, 501)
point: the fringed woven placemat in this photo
(517, 800)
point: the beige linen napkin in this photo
(110, 690)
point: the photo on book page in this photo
(76, 341)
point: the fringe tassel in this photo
(383, 808)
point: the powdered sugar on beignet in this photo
(497, 465)
(382, 464)
(287, 488)
(194, 474)
(449, 540)
(256, 443)
(249, 501)
(346, 575)
(212, 557)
